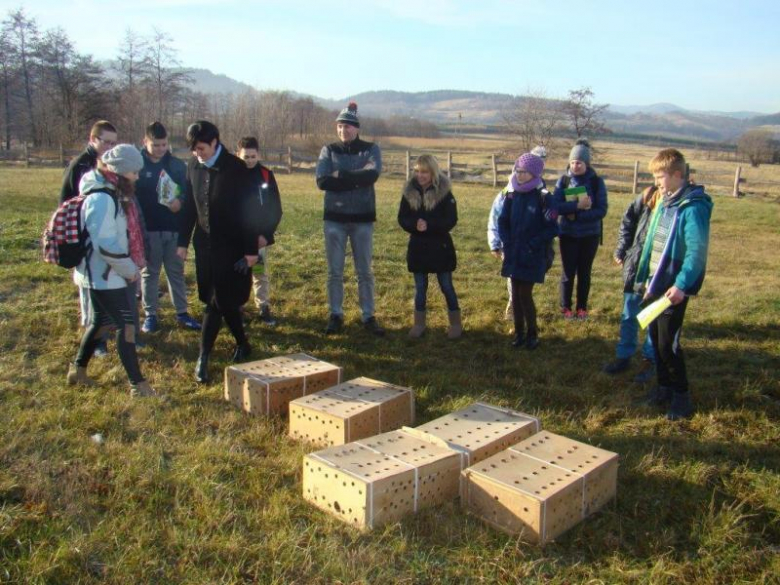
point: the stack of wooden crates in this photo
(384, 478)
(375, 469)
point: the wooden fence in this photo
(622, 178)
(470, 167)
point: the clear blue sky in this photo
(715, 55)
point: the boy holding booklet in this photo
(672, 265)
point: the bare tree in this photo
(584, 116)
(758, 145)
(7, 79)
(534, 118)
(166, 77)
(134, 68)
(22, 33)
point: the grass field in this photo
(189, 490)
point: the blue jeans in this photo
(361, 237)
(445, 283)
(629, 330)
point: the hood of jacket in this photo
(692, 194)
(432, 195)
(95, 181)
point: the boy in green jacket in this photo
(673, 264)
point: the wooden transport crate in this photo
(380, 480)
(540, 487)
(479, 430)
(351, 411)
(266, 387)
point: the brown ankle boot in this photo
(77, 376)
(456, 327)
(419, 324)
(142, 390)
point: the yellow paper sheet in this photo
(650, 312)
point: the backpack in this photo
(594, 188)
(65, 241)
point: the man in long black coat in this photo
(224, 214)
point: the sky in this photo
(713, 55)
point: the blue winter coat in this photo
(585, 222)
(526, 226)
(683, 262)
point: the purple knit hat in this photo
(532, 164)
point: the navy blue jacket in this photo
(580, 223)
(158, 217)
(526, 226)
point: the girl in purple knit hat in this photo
(527, 224)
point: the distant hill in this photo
(205, 81)
(485, 108)
(449, 106)
(436, 106)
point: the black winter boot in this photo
(202, 369)
(681, 407)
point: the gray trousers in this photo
(361, 238)
(162, 253)
(261, 284)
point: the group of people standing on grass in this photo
(229, 207)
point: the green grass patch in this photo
(192, 491)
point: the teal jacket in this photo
(684, 259)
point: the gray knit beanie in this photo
(581, 151)
(349, 115)
(123, 158)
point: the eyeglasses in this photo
(108, 142)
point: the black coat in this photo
(267, 191)
(431, 251)
(77, 168)
(220, 205)
(631, 239)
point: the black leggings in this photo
(577, 255)
(111, 307)
(524, 307)
(212, 323)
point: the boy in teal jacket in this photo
(673, 264)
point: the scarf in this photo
(527, 186)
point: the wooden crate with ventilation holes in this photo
(541, 487)
(479, 430)
(266, 387)
(351, 411)
(380, 480)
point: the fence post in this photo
(636, 177)
(62, 155)
(449, 164)
(736, 181)
(495, 170)
(289, 160)
(408, 165)
(26, 155)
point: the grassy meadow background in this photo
(189, 490)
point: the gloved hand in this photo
(241, 267)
